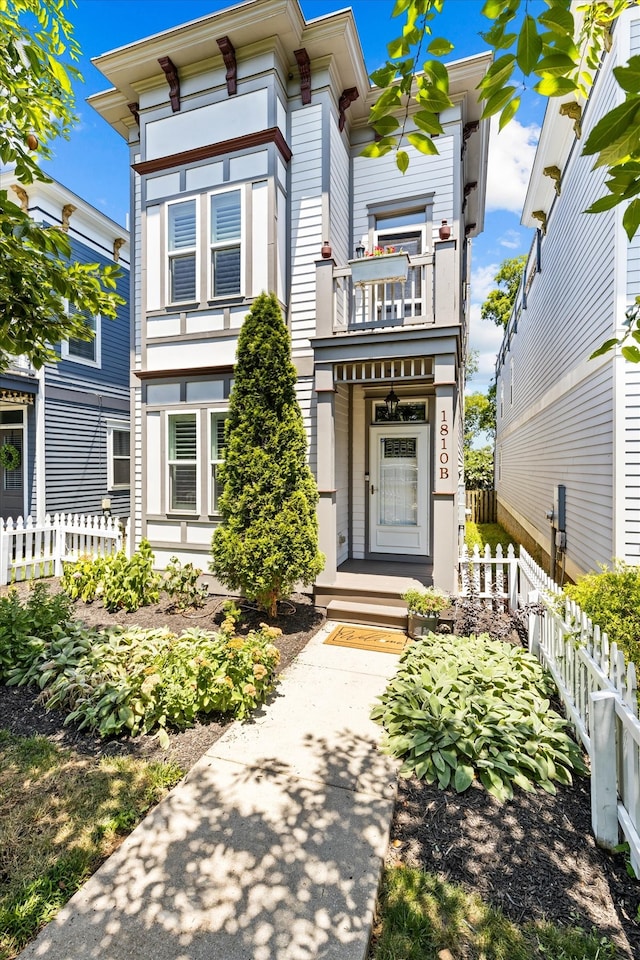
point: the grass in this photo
(61, 815)
(487, 533)
(421, 915)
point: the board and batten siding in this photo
(379, 180)
(341, 416)
(570, 442)
(306, 221)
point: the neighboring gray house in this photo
(564, 420)
(70, 420)
(245, 130)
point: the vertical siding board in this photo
(306, 220)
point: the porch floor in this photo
(370, 591)
(383, 576)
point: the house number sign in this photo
(446, 468)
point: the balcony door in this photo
(398, 485)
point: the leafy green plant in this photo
(426, 602)
(462, 708)
(612, 599)
(120, 582)
(181, 584)
(26, 627)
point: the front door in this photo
(398, 485)
(12, 481)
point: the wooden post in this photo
(604, 787)
(59, 537)
(533, 630)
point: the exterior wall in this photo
(556, 408)
(342, 472)
(359, 469)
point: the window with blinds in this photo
(182, 244)
(120, 454)
(218, 447)
(226, 244)
(84, 351)
(183, 460)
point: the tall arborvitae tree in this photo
(268, 541)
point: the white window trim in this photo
(123, 426)
(97, 362)
(182, 252)
(220, 245)
(221, 411)
(172, 511)
(397, 232)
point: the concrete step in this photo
(366, 612)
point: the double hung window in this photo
(226, 244)
(182, 249)
(183, 462)
(83, 351)
(217, 453)
(119, 447)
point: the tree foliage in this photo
(479, 416)
(37, 279)
(558, 52)
(499, 302)
(268, 541)
(478, 468)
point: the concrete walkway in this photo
(272, 846)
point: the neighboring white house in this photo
(564, 420)
(70, 420)
(245, 130)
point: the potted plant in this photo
(424, 607)
(380, 265)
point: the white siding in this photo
(339, 196)
(260, 230)
(153, 259)
(342, 472)
(306, 220)
(375, 181)
(307, 399)
(154, 466)
(358, 511)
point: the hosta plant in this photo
(24, 627)
(461, 708)
(120, 582)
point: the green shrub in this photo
(24, 628)
(467, 707)
(426, 602)
(181, 584)
(119, 582)
(612, 600)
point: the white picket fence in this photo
(598, 689)
(31, 550)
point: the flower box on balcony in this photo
(387, 268)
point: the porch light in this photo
(391, 402)
(360, 251)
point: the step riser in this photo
(323, 598)
(368, 614)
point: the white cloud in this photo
(484, 336)
(510, 240)
(511, 154)
(482, 282)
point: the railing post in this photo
(604, 780)
(533, 631)
(446, 290)
(59, 537)
(324, 297)
(513, 578)
(5, 542)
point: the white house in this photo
(563, 420)
(246, 129)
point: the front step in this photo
(371, 614)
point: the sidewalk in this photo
(272, 846)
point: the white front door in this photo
(398, 485)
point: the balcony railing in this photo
(430, 295)
(21, 365)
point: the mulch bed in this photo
(534, 856)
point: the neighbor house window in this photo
(119, 454)
(217, 452)
(183, 462)
(83, 351)
(181, 241)
(226, 244)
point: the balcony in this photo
(22, 366)
(428, 297)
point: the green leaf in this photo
(509, 112)
(493, 8)
(386, 125)
(463, 778)
(429, 122)
(438, 73)
(384, 76)
(558, 19)
(632, 354)
(402, 161)
(422, 143)
(631, 219)
(629, 77)
(604, 203)
(555, 86)
(613, 127)
(398, 48)
(604, 348)
(555, 65)
(529, 45)
(439, 47)
(499, 100)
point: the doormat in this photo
(368, 638)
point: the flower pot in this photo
(388, 268)
(420, 624)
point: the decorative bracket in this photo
(469, 228)
(304, 66)
(573, 110)
(173, 80)
(229, 56)
(468, 188)
(117, 243)
(67, 210)
(467, 130)
(556, 175)
(346, 99)
(542, 217)
(134, 110)
(23, 196)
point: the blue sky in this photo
(94, 162)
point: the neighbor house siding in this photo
(342, 472)
(306, 221)
(632, 392)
